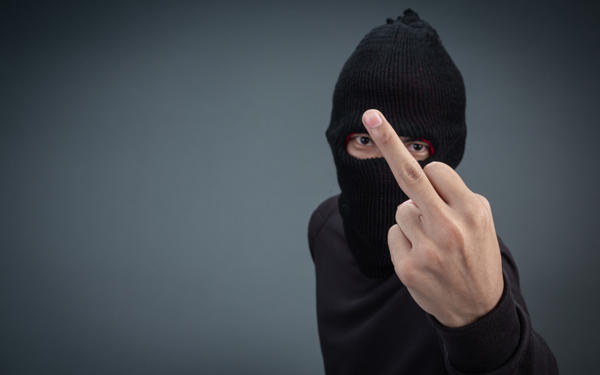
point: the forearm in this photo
(501, 342)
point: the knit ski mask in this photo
(401, 69)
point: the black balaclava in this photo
(401, 69)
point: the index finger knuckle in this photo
(435, 167)
(477, 211)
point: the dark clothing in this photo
(373, 326)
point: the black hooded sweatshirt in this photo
(373, 326)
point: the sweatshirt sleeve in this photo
(501, 342)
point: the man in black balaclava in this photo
(411, 276)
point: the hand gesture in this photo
(443, 245)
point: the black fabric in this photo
(402, 69)
(368, 205)
(373, 326)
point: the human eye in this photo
(361, 140)
(418, 147)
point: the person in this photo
(411, 277)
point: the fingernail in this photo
(372, 119)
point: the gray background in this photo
(160, 161)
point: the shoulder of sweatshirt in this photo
(319, 217)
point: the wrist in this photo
(476, 311)
(485, 343)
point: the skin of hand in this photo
(443, 245)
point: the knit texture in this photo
(402, 69)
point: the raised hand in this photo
(443, 245)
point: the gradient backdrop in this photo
(160, 161)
